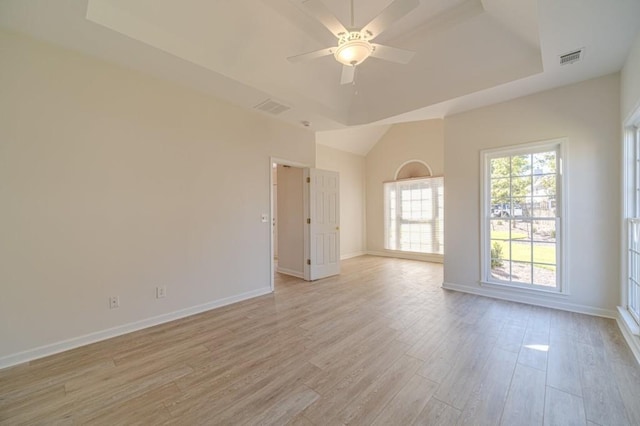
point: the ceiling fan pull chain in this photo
(355, 75)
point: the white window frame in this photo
(630, 223)
(387, 220)
(562, 281)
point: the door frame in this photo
(283, 162)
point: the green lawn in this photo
(521, 251)
(504, 235)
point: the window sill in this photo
(425, 257)
(538, 290)
(631, 324)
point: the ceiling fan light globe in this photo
(353, 52)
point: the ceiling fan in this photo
(354, 45)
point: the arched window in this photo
(413, 169)
(414, 210)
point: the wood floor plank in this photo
(563, 409)
(534, 350)
(539, 319)
(602, 400)
(366, 406)
(380, 343)
(339, 392)
(328, 355)
(628, 380)
(284, 409)
(437, 332)
(208, 398)
(466, 371)
(614, 344)
(563, 370)
(407, 405)
(299, 420)
(510, 337)
(439, 358)
(486, 404)
(437, 413)
(147, 408)
(525, 401)
(371, 357)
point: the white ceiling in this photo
(469, 53)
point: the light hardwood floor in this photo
(381, 344)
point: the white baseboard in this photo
(531, 299)
(351, 255)
(291, 272)
(435, 258)
(630, 331)
(75, 342)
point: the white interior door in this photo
(322, 230)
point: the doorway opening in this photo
(287, 218)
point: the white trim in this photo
(526, 288)
(346, 256)
(395, 175)
(306, 237)
(562, 236)
(535, 299)
(75, 342)
(435, 258)
(630, 331)
(284, 162)
(630, 142)
(291, 272)
(627, 190)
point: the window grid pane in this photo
(634, 268)
(523, 220)
(415, 222)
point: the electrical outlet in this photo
(114, 302)
(161, 292)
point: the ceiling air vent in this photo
(571, 57)
(272, 107)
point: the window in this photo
(522, 213)
(414, 215)
(632, 213)
(633, 282)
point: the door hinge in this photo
(308, 180)
(308, 261)
(309, 221)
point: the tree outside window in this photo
(521, 208)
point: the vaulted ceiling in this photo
(468, 52)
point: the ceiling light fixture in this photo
(356, 45)
(353, 49)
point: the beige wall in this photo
(588, 114)
(113, 183)
(630, 77)
(352, 195)
(419, 140)
(290, 221)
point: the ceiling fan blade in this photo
(318, 10)
(392, 13)
(348, 74)
(392, 54)
(311, 55)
